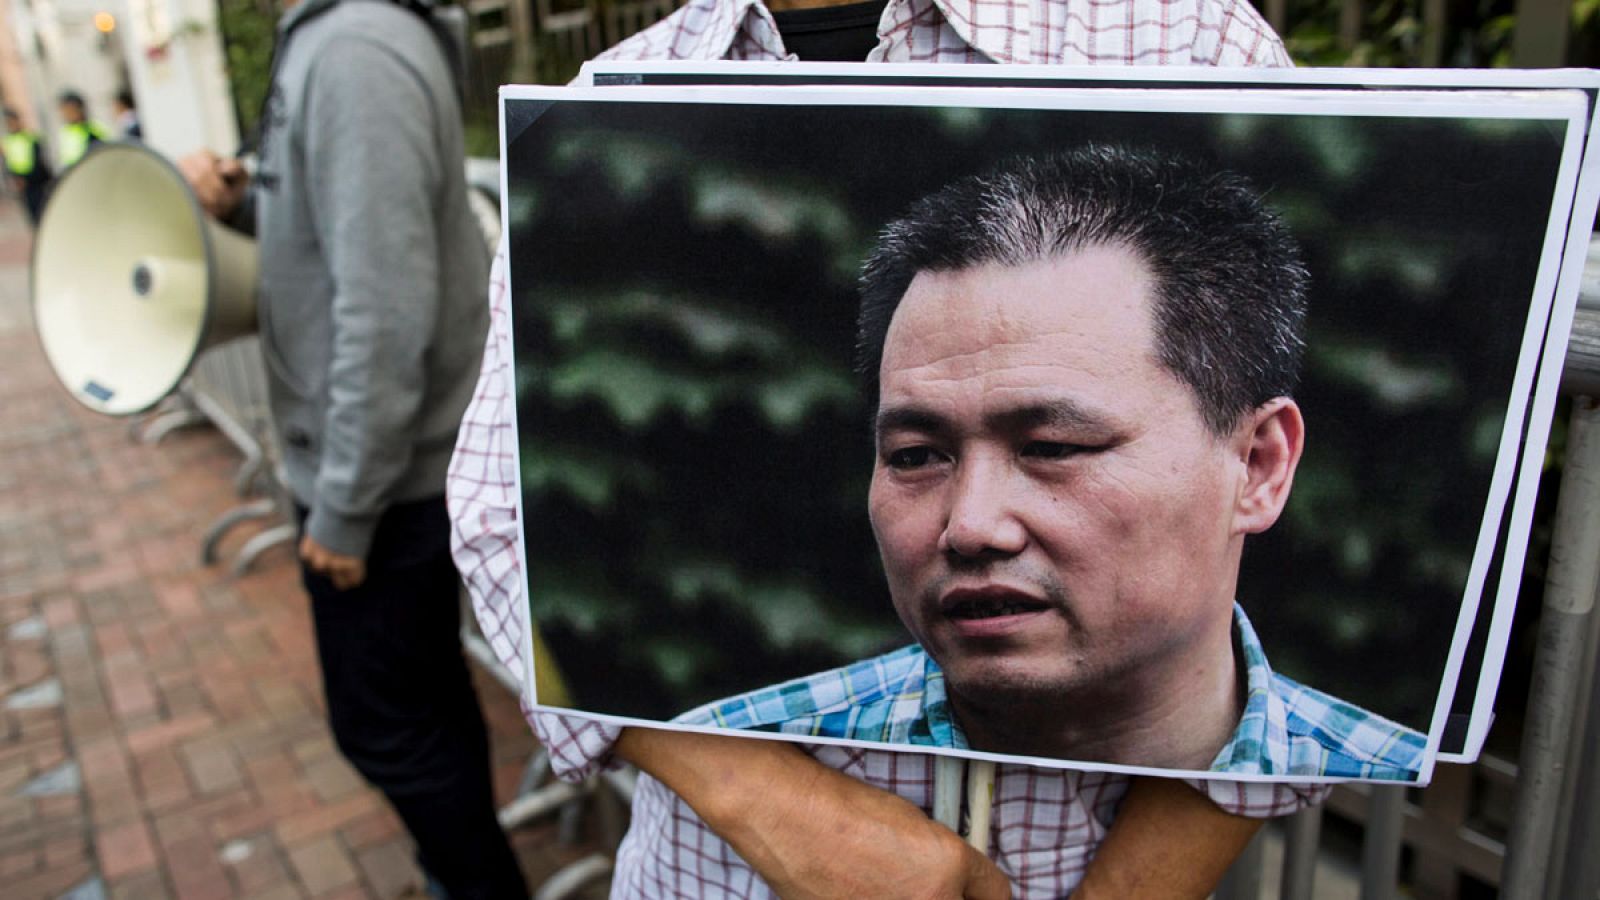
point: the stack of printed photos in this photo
(1109, 419)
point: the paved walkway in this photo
(161, 732)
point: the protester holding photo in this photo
(742, 818)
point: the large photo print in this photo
(1173, 436)
(1471, 711)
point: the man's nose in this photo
(982, 520)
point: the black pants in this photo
(34, 195)
(401, 704)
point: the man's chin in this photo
(995, 685)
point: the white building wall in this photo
(168, 52)
(176, 69)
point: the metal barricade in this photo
(228, 387)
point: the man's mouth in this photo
(977, 605)
(991, 607)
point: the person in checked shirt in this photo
(722, 816)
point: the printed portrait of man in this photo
(1083, 368)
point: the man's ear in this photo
(1269, 442)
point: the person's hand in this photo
(346, 572)
(219, 184)
(1168, 842)
(809, 831)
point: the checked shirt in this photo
(899, 698)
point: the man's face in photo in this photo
(1054, 516)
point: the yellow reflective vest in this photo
(76, 138)
(21, 149)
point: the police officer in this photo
(77, 134)
(26, 170)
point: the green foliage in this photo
(1585, 43)
(247, 35)
(1584, 13)
(1394, 33)
(481, 133)
(1492, 40)
(1391, 36)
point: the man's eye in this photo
(1051, 449)
(911, 457)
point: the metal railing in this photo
(547, 40)
(227, 388)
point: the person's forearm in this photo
(810, 832)
(711, 772)
(1168, 841)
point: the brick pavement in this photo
(161, 730)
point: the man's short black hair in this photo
(71, 98)
(1230, 295)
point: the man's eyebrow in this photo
(909, 418)
(1060, 413)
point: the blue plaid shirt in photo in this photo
(899, 698)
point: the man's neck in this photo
(1178, 718)
(787, 5)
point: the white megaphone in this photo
(131, 279)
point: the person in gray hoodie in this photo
(372, 326)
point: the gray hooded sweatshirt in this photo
(373, 272)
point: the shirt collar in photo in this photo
(1288, 728)
(900, 698)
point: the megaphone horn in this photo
(131, 280)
